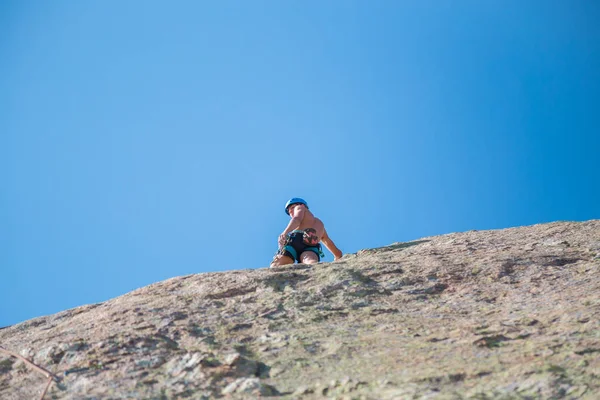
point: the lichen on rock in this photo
(509, 313)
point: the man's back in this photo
(308, 220)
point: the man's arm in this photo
(297, 217)
(337, 253)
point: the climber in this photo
(300, 241)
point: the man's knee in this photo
(309, 257)
(280, 260)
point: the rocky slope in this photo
(504, 314)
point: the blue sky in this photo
(144, 140)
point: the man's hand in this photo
(282, 240)
(337, 253)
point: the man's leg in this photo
(280, 260)
(309, 257)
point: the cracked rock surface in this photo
(502, 314)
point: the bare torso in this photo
(310, 221)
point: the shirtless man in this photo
(300, 239)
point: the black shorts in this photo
(295, 246)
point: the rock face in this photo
(504, 314)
